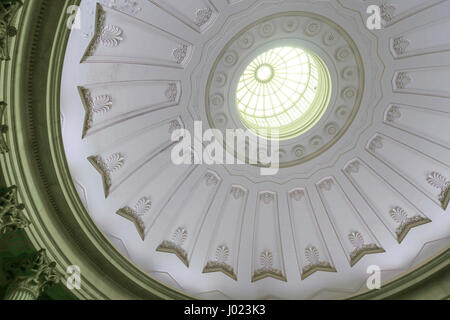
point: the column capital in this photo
(31, 276)
(8, 10)
(12, 217)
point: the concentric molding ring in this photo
(347, 77)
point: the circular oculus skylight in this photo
(283, 92)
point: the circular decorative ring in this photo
(246, 75)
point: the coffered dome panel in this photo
(365, 180)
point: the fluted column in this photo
(20, 294)
(32, 276)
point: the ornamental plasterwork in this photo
(202, 16)
(387, 12)
(314, 263)
(220, 264)
(230, 59)
(267, 197)
(316, 141)
(175, 245)
(101, 104)
(402, 80)
(266, 268)
(312, 28)
(107, 166)
(174, 125)
(172, 92)
(266, 260)
(12, 217)
(438, 181)
(349, 93)
(211, 179)
(222, 254)
(400, 44)
(3, 128)
(94, 107)
(290, 25)
(136, 214)
(237, 192)
(8, 10)
(361, 248)
(267, 29)
(349, 73)
(353, 167)
(245, 42)
(376, 143)
(393, 114)
(298, 151)
(343, 54)
(330, 38)
(33, 274)
(111, 36)
(180, 53)
(128, 6)
(107, 35)
(179, 236)
(326, 184)
(297, 194)
(405, 223)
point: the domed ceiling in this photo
(365, 180)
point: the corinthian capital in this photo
(31, 276)
(12, 217)
(8, 9)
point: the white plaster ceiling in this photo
(378, 158)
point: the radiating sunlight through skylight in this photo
(277, 88)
